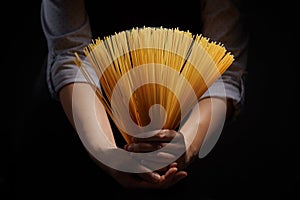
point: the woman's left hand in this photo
(168, 146)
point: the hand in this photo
(171, 148)
(142, 180)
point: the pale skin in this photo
(159, 179)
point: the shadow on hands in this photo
(127, 169)
(158, 152)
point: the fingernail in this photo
(129, 148)
(156, 176)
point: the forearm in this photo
(203, 126)
(87, 115)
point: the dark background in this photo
(255, 158)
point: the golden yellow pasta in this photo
(147, 66)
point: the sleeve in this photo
(223, 21)
(67, 30)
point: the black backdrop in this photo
(250, 161)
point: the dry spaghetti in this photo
(169, 57)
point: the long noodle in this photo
(194, 57)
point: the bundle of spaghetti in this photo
(142, 67)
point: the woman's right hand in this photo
(143, 178)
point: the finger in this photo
(157, 160)
(160, 166)
(174, 164)
(151, 177)
(172, 179)
(163, 170)
(164, 135)
(166, 156)
(176, 148)
(172, 176)
(178, 176)
(166, 179)
(172, 148)
(170, 173)
(143, 147)
(154, 161)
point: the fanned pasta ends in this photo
(150, 78)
